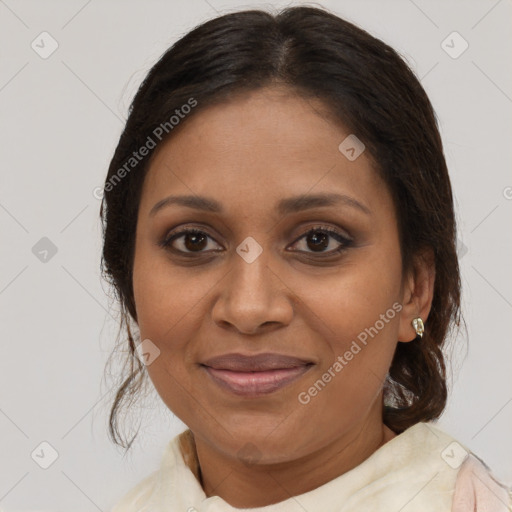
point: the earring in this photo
(417, 323)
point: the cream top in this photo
(422, 469)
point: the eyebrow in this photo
(284, 206)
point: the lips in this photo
(255, 363)
(253, 376)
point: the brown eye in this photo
(320, 240)
(195, 241)
(317, 240)
(187, 241)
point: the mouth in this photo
(253, 376)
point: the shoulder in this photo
(478, 490)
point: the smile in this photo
(256, 383)
(253, 375)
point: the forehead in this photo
(258, 148)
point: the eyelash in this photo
(345, 242)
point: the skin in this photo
(248, 154)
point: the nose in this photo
(253, 298)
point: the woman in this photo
(279, 228)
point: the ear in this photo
(417, 294)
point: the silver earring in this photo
(419, 327)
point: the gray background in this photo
(60, 121)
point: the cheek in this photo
(359, 312)
(168, 314)
(363, 296)
(361, 316)
(167, 299)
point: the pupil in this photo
(319, 241)
(194, 245)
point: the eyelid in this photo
(324, 227)
(343, 238)
(187, 228)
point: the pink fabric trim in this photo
(476, 489)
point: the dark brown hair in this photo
(367, 87)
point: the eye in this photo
(320, 238)
(189, 241)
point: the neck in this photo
(241, 485)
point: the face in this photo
(268, 271)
